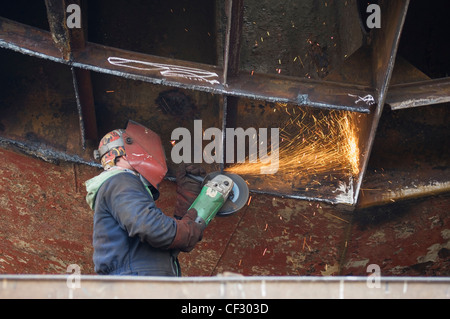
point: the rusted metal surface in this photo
(235, 14)
(319, 94)
(171, 72)
(389, 186)
(408, 238)
(85, 102)
(157, 70)
(39, 109)
(83, 90)
(47, 226)
(303, 39)
(415, 94)
(231, 58)
(385, 45)
(260, 288)
(384, 49)
(56, 13)
(359, 60)
(280, 237)
(307, 176)
(47, 223)
(410, 87)
(40, 44)
(411, 156)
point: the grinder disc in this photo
(238, 196)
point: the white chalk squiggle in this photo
(368, 99)
(167, 70)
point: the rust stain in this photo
(46, 226)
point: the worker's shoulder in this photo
(126, 175)
(122, 179)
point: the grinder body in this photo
(211, 198)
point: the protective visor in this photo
(145, 152)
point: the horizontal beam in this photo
(314, 93)
(183, 74)
(221, 287)
(28, 40)
(390, 186)
(407, 95)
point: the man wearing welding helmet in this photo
(132, 236)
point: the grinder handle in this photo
(199, 179)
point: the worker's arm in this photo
(136, 212)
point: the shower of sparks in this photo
(312, 142)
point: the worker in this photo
(131, 235)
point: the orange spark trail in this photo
(313, 142)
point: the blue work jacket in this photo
(131, 235)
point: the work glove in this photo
(187, 188)
(188, 232)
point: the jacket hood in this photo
(93, 185)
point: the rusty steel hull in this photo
(47, 226)
(62, 91)
(202, 77)
(340, 90)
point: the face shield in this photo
(141, 146)
(144, 152)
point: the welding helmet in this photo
(142, 147)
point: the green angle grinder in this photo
(222, 194)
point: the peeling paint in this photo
(272, 236)
(357, 263)
(432, 254)
(445, 233)
(330, 270)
